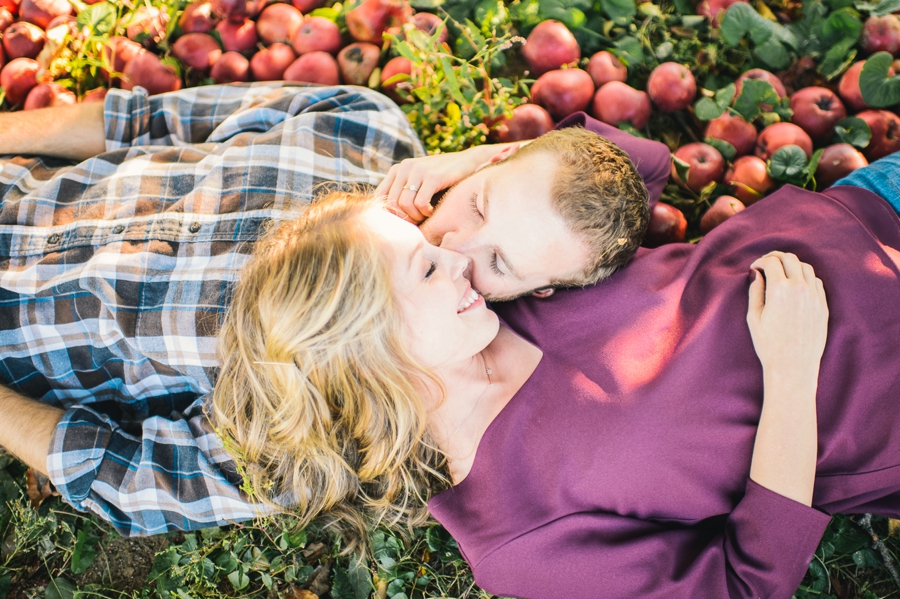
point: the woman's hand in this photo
(410, 184)
(788, 314)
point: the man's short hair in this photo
(599, 193)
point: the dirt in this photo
(123, 563)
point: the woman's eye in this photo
(474, 206)
(431, 270)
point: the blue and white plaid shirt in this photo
(114, 277)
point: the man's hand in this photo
(410, 184)
(26, 428)
(72, 132)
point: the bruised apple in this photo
(23, 39)
(617, 102)
(368, 21)
(605, 67)
(667, 225)
(529, 121)
(197, 17)
(398, 91)
(429, 23)
(722, 209)
(837, 161)
(45, 95)
(269, 64)
(317, 34)
(197, 50)
(357, 61)
(671, 87)
(817, 110)
(705, 163)
(231, 67)
(563, 91)
(734, 129)
(881, 34)
(749, 179)
(849, 90)
(278, 23)
(762, 75)
(41, 12)
(776, 136)
(148, 71)
(18, 77)
(314, 67)
(885, 127)
(549, 46)
(238, 37)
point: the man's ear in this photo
(503, 154)
(543, 293)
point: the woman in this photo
(587, 449)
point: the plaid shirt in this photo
(114, 277)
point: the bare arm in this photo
(788, 319)
(73, 132)
(26, 428)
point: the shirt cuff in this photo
(126, 115)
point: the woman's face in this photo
(445, 320)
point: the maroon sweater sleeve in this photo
(651, 158)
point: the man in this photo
(116, 270)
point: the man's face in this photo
(502, 219)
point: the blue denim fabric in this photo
(881, 177)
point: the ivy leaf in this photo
(755, 93)
(879, 90)
(854, 131)
(789, 164)
(727, 150)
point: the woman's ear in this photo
(543, 293)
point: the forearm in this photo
(784, 455)
(72, 132)
(26, 428)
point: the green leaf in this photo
(684, 7)
(866, 558)
(837, 59)
(620, 11)
(297, 539)
(854, 131)
(879, 90)
(755, 92)
(452, 81)
(100, 18)
(426, 4)
(85, 552)
(227, 562)
(629, 51)
(725, 95)
(682, 168)
(727, 150)
(706, 109)
(60, 588)
(741, 20)
(773, 53)
(789, 164)
(878, 9)
(238, 579)
(631, 129)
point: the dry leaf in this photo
(893, 527)
(38, 487)
(301, 594)
(318, 582)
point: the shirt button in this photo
(53, 238)
(194, 227)
(118, 229)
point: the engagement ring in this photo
(411, 187)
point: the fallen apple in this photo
(881, 34)
(817, 110)
(148, 26)
(118, 51)
(95, 95)
(357, 61)
(2, 57)
(749, 179)
(278, 23)
(885, 128)
(429, 23)
(618, 102)
(238, 37)
(778, 135)
(232, 67)
(314, 67)
(705, 166)
(269, 64)
(837, 161)
(307, 6)
(6, 19)
(714, 10)
(529, 121)
(734, 129)
(399, 90)
(549, 46)
(23, 39)
(849, 90)
(198, 17)
(18, 77)
(198, 51)
(41, 12)
(563, 92)
(11, 5)
(368, 21)
(667, 225)
(237, 10)
(671, 87)
(762, 75)
(149, 72)
(605, 67)
(722, 209)
(317, 34)
(45, 95)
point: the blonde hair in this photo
(316, 396)
(599, 193)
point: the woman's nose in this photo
(460, 265)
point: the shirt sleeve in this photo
(762, 549)
(172, 475)
(651, 158)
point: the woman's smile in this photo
(470, 300)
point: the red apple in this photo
(306, 6)
(232, 67)
(778, 135)
(848, 88)
(68, 20)
(278, 23)
(18, 77)
(549, 46)
(269, 64)
(528, 121)
(734, 129)
(764, 75)
(817, 110)
(95, 95)
(237, 10)
(118, 51)
(563, 91)
(48, 94)
(317, 34)
(399, 91)
(238, 37)
(605, 67)
(6, 19)
(11, 5)
(714, 10)
(705, 162)
(23, 39)
(148, 25)
(885, 127)
(149, 72)
(368, 21)
(2, 57)
(671, 87)
(881, 34)
(198, 17)
(618, 102)
(667, 225)
(837, 161)
(357, 61)
(429, 23)
(197, 50)
(41, 12)
(749, 179)
(314, 67)
(722, 209)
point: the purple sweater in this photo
(620, 469)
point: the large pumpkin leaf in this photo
(879, 90)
